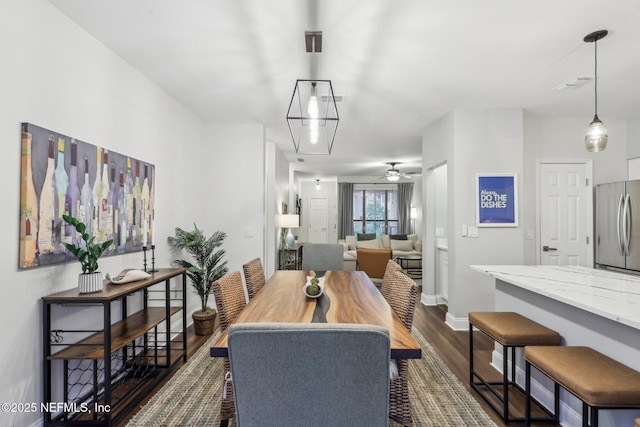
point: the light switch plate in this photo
(463, 230)
(473, 231)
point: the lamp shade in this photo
(313, 117)
(289, 221)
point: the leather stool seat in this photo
(597, 380)
(511, 330)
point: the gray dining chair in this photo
(323, 257)
(311, 374)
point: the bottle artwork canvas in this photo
(113, 194)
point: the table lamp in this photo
(289, 221)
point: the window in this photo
(375, 211)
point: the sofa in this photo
(400, 245)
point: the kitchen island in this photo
(589, 307)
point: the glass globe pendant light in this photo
(596, 137)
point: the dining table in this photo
(348, 297)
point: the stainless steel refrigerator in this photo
(618, 225)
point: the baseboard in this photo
(570, 412)
(457, 323)
(442, 300)
(428, 299)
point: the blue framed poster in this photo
(496, 200)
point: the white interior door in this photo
(318, 219)
(564, 219)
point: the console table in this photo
(93, 377)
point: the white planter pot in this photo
(90, 282)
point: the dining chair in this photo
(323, 256)
(253, 276)
(311, 374)
(374, 263)
(391, 268)
(402, 297)
(230, 300)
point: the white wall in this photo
(277, 192)
(232, 189)
(547, 138)
(58, 77)
(633, 137)
(472, 141)
(437, 149)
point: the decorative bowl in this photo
(304, 289)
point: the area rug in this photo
(191, 398)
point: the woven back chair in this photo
(403, 294)
(253, 276)
(229, 295)
(392, 267)
(311, 374)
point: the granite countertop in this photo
(615, 296)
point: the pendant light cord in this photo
(596, 76)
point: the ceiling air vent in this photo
(337, 98)
(574, 83)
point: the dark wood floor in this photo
(452, 346)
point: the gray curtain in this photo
(345, 209)
(405, 194)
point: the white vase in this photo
(90, 282)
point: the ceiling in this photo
(400, 65)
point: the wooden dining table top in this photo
(349, 297)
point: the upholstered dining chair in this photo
(229, 295)
(374, 263)
(389, 271)
(323, 256)
(311, 374)
(402, 297)
(253, 276)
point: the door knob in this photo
(546, 248)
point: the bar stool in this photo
(510, 330)
(597, 380)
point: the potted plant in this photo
(87, 252)
(205, 268)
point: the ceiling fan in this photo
(394, 174)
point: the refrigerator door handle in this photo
(618, 225)
(627, 224)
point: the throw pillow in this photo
(402, 245)
(351, 241)
(398, 236)
(369, 244)
(366, 236)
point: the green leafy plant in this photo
(206, 266)
(89, 252)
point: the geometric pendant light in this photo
(313, 114)
(596, 136)
(313, 117)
